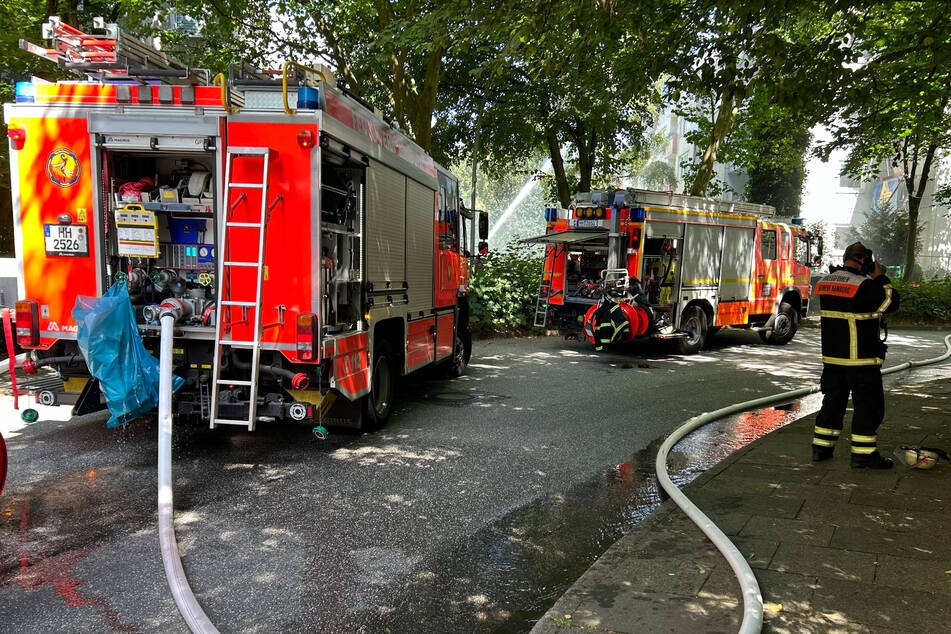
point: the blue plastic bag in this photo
(110, 343)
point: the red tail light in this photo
(28, 323)
(307, 336)
(18, 136)
(635, 239)
(305, 139)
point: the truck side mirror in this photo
(483, 247)
(483, 225)
(820, 246)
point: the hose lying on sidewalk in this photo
(752, 598)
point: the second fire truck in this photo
(679, 267)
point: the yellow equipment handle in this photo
(220, 80)
(287, 65)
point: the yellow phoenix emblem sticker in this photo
(63, 167)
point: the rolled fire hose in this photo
(752, 598)
(191, 611)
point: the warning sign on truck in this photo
(135, 232)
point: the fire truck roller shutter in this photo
(701, 257)
(737, 264)
(657, 229)
(385, 227)
(420, 237)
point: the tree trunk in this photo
(426, 99)
(558, 167)
(585, 165)
(726, 117)
(914, 204)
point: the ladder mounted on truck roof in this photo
(111, 55)
(633, 197)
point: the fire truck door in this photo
(701, 263)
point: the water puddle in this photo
(508, 574)
(45, 533)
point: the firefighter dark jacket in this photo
(851, 308)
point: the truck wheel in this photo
(378, 404)
(461, 351)
(785, 326)
(694, 323)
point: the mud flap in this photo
(329, 409)
(90, 399)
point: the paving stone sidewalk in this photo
(834, 549)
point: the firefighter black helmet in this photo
(857, 249)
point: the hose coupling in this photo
(300, 381)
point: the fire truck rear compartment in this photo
(176, 192)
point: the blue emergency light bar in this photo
(25, 92)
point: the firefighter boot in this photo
(821, 453)
(873, 460)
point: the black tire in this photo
(785, 325)
(378, 404)
(461, 352)
(693, 322)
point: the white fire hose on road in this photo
(752, 598)
(177, 582)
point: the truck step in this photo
(228, 421)
(233, 382)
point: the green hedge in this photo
(504, 287)
(926, 302)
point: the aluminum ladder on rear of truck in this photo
(227, 301)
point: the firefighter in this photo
(852, 301)
(612, 325)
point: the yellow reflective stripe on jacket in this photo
(888, 298)
(827, 431)
(853, 340)
(837, 361)
(834, 314)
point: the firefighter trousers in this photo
(864, 383)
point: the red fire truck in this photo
(680, 267)
(309, 252)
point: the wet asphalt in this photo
(479, 503)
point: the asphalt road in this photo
(470, 511)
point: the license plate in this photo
(586, 223)
(66, 240)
